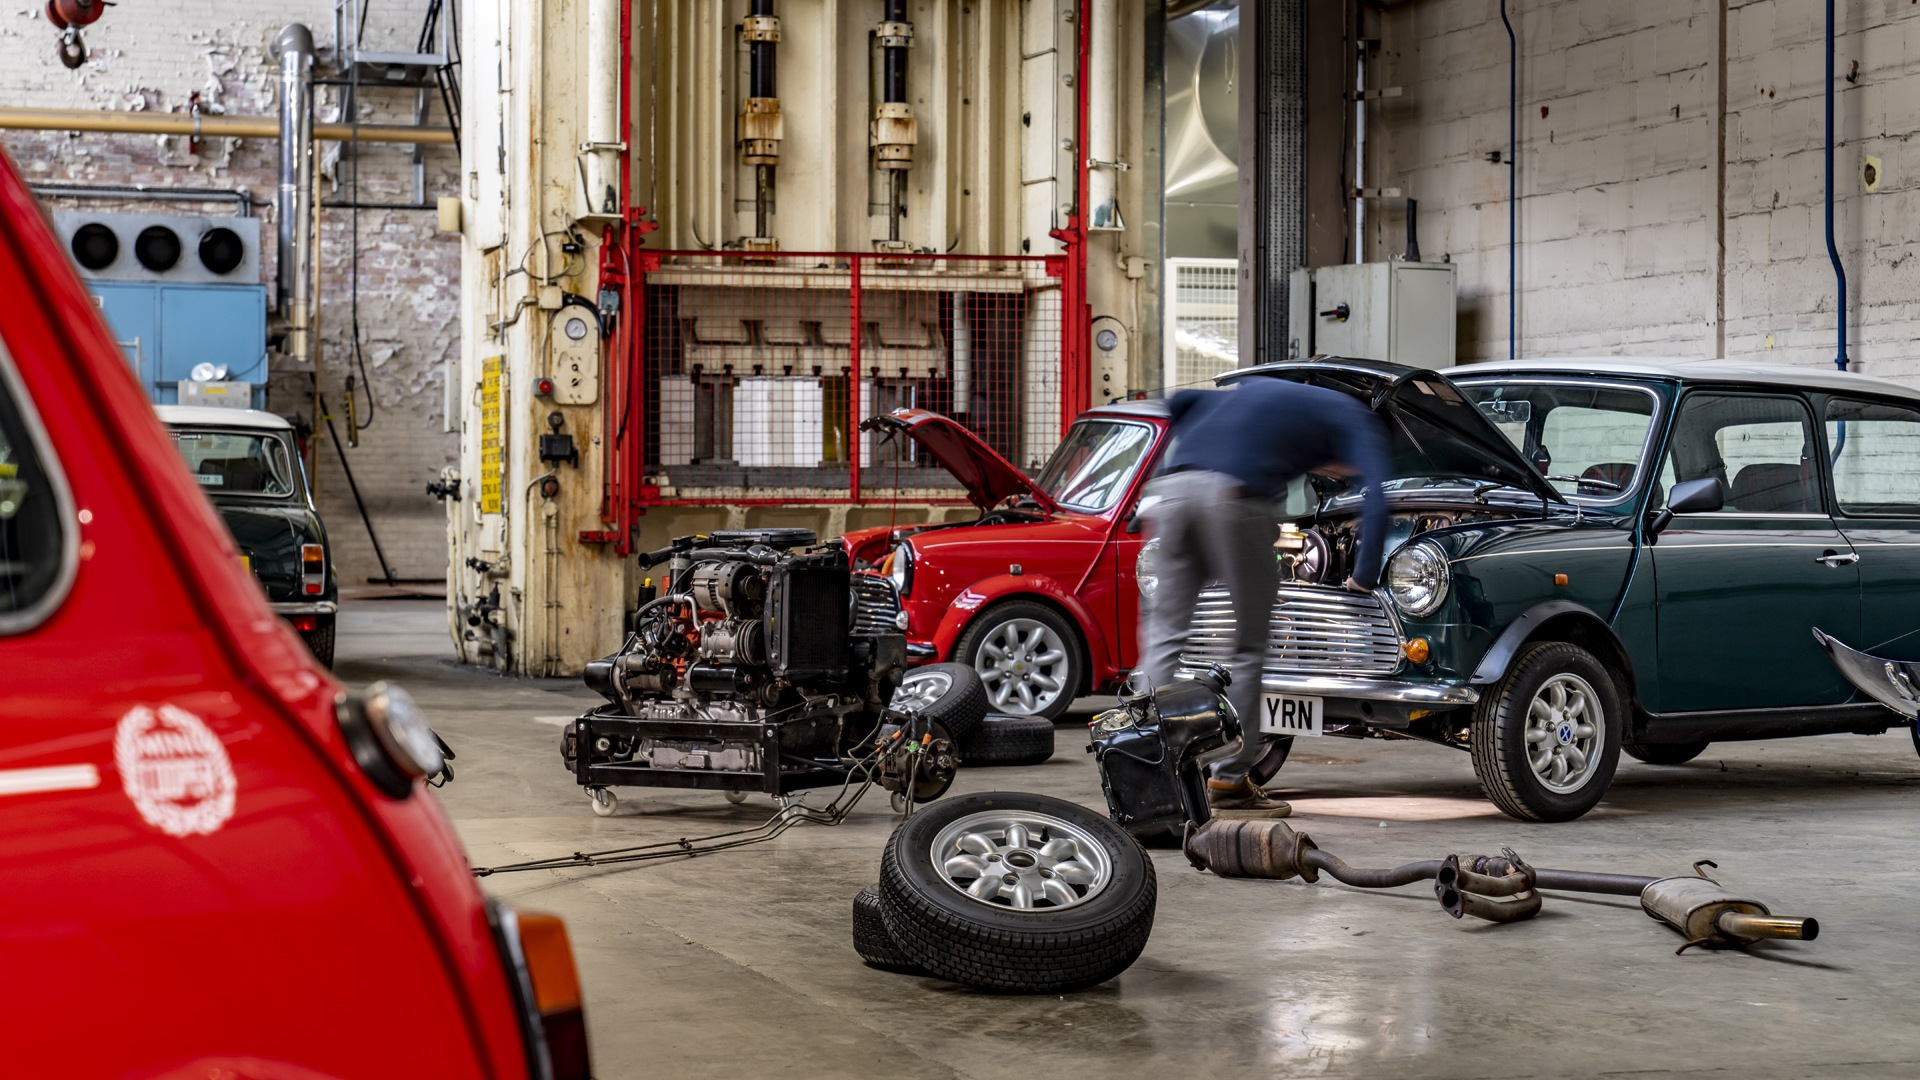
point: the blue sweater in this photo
(1268, 432)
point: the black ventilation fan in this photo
(95, 246)
(157, 248)
(221, 249)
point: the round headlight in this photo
(901, 571)
(1417, 578)
(1145, 567)
(403, 730)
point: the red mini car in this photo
(1037, 594)
(213, 862)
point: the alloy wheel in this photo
(1024, 664)
(1024, 860)
(1564, 732)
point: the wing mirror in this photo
(1702, 496)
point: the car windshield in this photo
(1586, 440)
(1094, 464)
(238, 462)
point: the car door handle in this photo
(1836, 558)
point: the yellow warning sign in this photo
(492, 416)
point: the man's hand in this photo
(1357, 587)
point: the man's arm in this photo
(1364, 448)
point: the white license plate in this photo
(1290, 714)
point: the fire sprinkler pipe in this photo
(210, 127)
(1833, 251)
(293, 203)
(761, 126)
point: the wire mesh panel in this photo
(1203, 320)
(759, 369)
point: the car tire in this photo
(1667, 753)
(1053, 946)
(1009, 740)
(951, 694)
(1571, 773)
(871, 941)
(320, 640)
(1269, 764)
(1020, 621)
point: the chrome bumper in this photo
(1334, 686)
(316, 607)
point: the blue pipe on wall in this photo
(1513, 177)
(1833, 252)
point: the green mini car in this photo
(247, 463)
(1594, 556)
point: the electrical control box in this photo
(1400, 312)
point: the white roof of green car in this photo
(1799, 376)
(209, 416)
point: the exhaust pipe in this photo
(293, 204)
(1496, 888)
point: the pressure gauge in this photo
(576, 328)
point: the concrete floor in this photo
(739, 964)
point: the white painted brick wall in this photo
(152, 55)
(1619, 205)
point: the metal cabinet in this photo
(165, 330)
(1402, 312)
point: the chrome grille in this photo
(1315, 631)
(876, 608)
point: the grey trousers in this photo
(1208, 533)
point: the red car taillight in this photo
(313, 569)
(553, 1017)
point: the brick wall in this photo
(1626, 192)
(152, 56)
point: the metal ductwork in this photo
(293, 203)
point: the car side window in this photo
(1876, 457)
(1760, 446)
(35, 561)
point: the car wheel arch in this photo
(1575, 624)
(1081, 639)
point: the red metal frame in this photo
(625, 495)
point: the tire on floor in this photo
(1016, 893)
(870, 938)
(950, 693)
(1009, 740)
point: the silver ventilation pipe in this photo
(293, 203)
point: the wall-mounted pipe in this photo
(1833, 251)
(761, 127)
(210, 127)
(1103, 117)
(893, 133)
(599, 162)
(293, 203)
(240, 196)
(1513, 185)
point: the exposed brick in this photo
(152, 57)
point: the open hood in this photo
(1433, 428)
(989, 478)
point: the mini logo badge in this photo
(175, 770)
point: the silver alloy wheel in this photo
(1021, 859)
(919, 689)
(1564, 729)
(1024, 664)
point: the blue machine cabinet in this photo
(167, 329)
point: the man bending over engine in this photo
(1212, 506)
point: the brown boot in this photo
(1243, 799)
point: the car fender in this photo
(1499, 657)
(981, 595)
